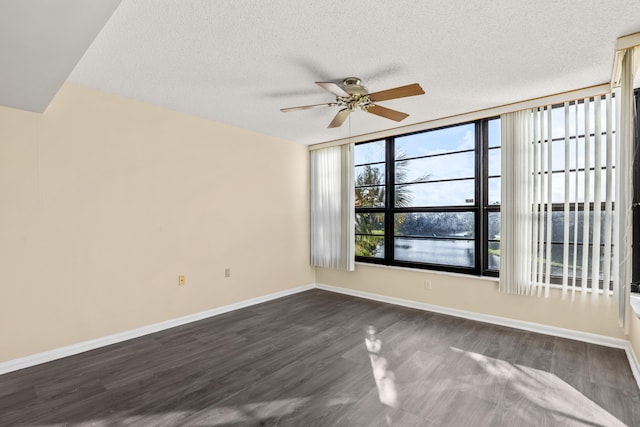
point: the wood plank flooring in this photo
(303, 360)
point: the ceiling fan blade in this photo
(339, 119)
(387, 113)
(398, 92)
(306, 107)
(334, 89)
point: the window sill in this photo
(634, 299)
(440, 272)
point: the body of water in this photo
(434, 251)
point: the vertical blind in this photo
(558, 194)
(332, 213)
(517, 189)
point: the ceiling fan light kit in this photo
(352, 94)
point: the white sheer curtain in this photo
(332, 207)
(515, 221)
(622, 252)
(558, 189)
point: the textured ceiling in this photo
(240, 61)
(40, 43)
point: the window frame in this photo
(635, 202)
(479, 208)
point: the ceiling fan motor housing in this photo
(352, 86)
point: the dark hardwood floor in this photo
(309, 360)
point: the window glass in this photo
(370, 190)
(369, 246)
(494, 191)
(576, 158)
(494, 133)
(493, 230)
(557, 261)
(370, 193)
(370, 152)
(456, 138)
(448, 166)
(453, 252)
(448, 193)
(370, 175)
(435, 224)
(369, 229)
(557, 226)
(493, 244)
(576, 190)
(370, 223)
(370, 197)
(558, 118)
(493, 256)
(495, 160)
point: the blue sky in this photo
(461, 165)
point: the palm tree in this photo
(370, 192)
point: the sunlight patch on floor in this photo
(544, 390)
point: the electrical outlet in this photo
(227, 272)
(181, 280)
(427, 285)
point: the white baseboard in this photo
(487, 318)
(633, 362)
(503, 321)
(48, 356)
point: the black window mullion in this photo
(369, 164)
(461, 208)
(390, 202)
(482, 186)
(485, 207)
(427, 156)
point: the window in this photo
(432, 199)
(428, 199)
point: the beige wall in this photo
(105, 201)
(478, 295)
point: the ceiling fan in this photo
(352, 94)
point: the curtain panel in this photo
(332, 207)
(517, 198)
(624, 198)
